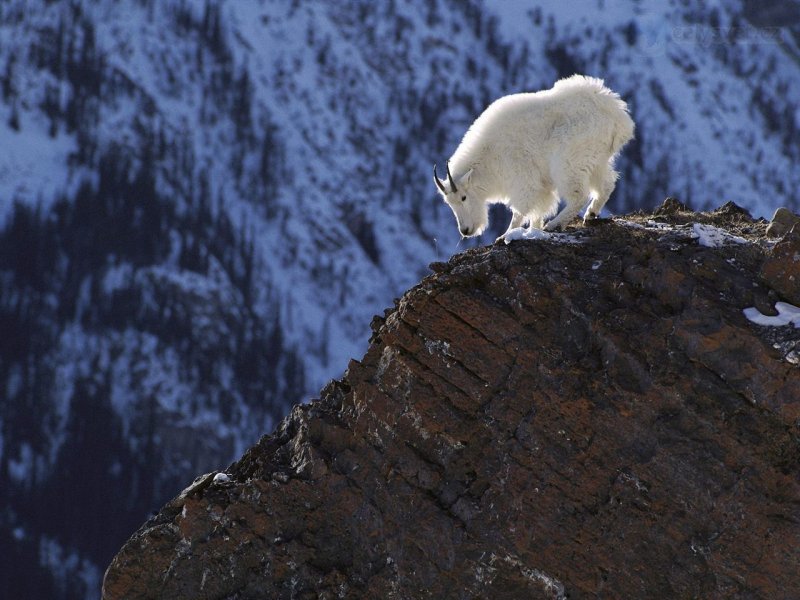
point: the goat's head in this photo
(472, 213)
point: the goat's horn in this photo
(450, 177)
(439, 182)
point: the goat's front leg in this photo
(516, 221)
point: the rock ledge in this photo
(535, 420)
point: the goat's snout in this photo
(466, 231)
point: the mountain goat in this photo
(527, 150)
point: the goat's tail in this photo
(623, 128)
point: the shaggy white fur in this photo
(528, 150)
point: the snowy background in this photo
(203, 203)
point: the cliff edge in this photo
(611, 412)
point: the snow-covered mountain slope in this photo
(203, 204)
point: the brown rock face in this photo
(586, 416)
(782, 221)
(781, 270)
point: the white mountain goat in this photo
(527, 150)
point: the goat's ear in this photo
(465, 177)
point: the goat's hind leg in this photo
(575, 193)
(565, 217)
(603, 182)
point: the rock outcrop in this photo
(589, 415)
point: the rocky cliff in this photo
(594, 414)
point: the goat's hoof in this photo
(594, 222)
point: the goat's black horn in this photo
(450, 177)
(439, 182)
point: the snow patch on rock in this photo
(714, 237)
(531, 233)
(788, 314)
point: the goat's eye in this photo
(463, 198)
